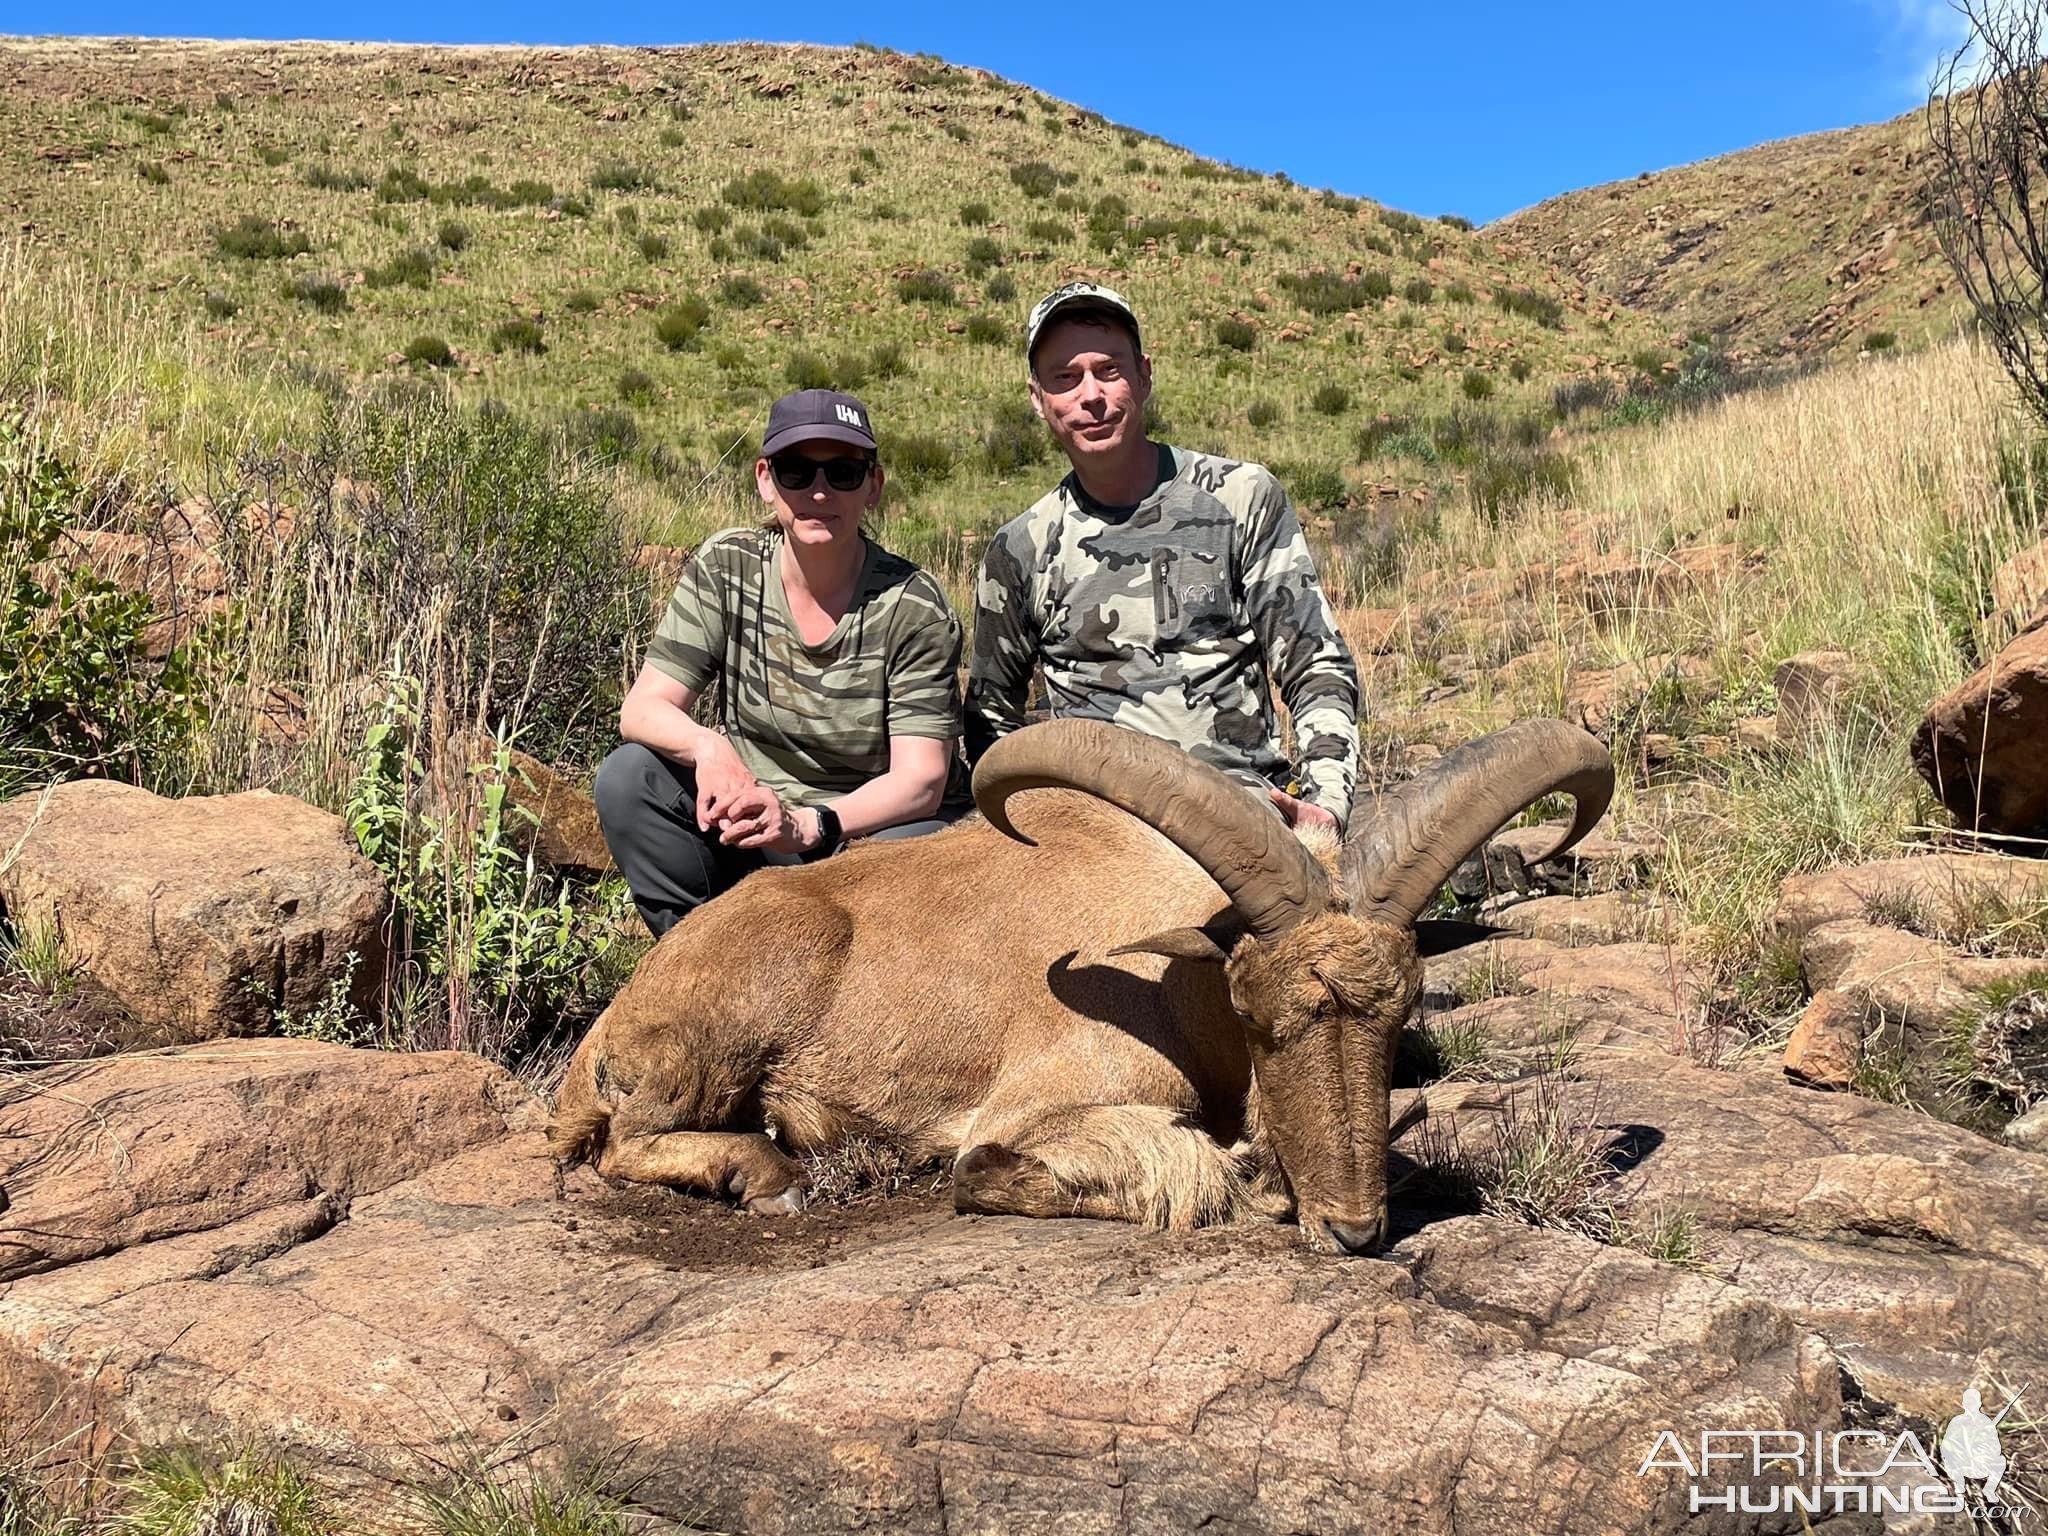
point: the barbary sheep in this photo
(1159, 1006)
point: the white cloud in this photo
(1923, 37)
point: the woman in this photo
(837, 668)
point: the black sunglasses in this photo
(798, 473)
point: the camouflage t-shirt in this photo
(813, 722)
(1172, 617)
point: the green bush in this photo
(637, 387)
(1375, 436)
(451, 235)
(1015, 438)
(653, 247)
(1575, 395)
(982, 253)
(1455, 221)
(1262, 413)
(148, 122)
(926, 287)
(1035, 179)
(767, 192)
(957, 132)
(1330, 400)
(740, 291)
(153, 172)
(1519, 370)
(326, 178)
(1476, 385)
(1050, 231)
(178, 1493)
(1453, 343)
(915, 460)
(253, 238)
(886, 360)
(602, 433)
(583, 301)
(673, 138)
(1327, 293)
(711, 219)
(1313, 485)
(403, 184)
(677, 326)
(1001, 289)
(220, 307)
(1236, 335)
(321, 293)
(620, 176)
(1460, 293)
(519, 336)
(1418, 290)
(431, 351)
(1540, 307)
(408, 269)
(1647, 361)
(1501, 483)
(79, 695)
(974, 215)
(757, 243)
(272, 154)
(987, 330)
(1880, 341)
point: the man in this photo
(1159, 589)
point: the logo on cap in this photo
(849, 415)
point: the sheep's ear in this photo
(1206, 944)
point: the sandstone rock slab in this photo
(204, 916)
(1979, 746)
(1942, 891)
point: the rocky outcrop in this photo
(1943, 892)
(1979, 747)
(205, 916)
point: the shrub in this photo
(272, 154)
(583, 301)
(757, 243)
(652, 246)
(925, 287)
(1014, 439)
(1312, 485)
(1331, 400)
(1001, 289)
(1035, 179)
(1476, 385)
(1455, 221)
(429, 351)
(153, 172)
(740, 291)
(1453, 342)
(619, 176)
(886, 360)
(677, 326)
(1519, 370)
(768, 192)
(673, 138)
(409, 269)
(792, 234)
(1576, 395)
(78, 693)
(176, 1491)
(1501, 483)
(321, 293)
(982, 253)
(711, 218)
(1880, 341)
(148, 122)
(326, 178)
(1418, 290)
(1648, 361)
(453, 236)
(974, 215)
(1236, 335)
(1262, 413)
(601, 432)
(637, 386)
(1460, 293)
(916, 459)
(807, 370)
(257, 239)
(626, 216)
(1049, 231)
(1540, 307)
(1378, 435)
(402, 184)
(518, 336)
(1326, 293)
(957, 132)
(220, 306)
(987, 330)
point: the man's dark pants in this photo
(647, 806)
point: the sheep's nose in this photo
(1354, 1237)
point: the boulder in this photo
(1599, 862)
(1827, 1042)
(1940, 891)
(204, 916)
(1599, 701)
(2020, 586)
(1814, 688)
(566, 833)
(1759, 733)
(2030, 1131)
(1611, 917)
(177, 568)
(1979, 746)
(1919, 985)
(1375, 631)
(899, 1369)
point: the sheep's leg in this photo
(1122, 1162)
(742, 1165)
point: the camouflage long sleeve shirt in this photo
(1173, 618)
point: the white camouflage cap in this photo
(1080, 296)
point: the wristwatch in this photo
(829, 835)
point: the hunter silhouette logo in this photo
(1970, 1450)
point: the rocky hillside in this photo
(1814, 244)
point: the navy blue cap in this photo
(812, 415)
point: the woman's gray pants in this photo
(647, 806)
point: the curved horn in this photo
(1272, 881)
(1419, 832)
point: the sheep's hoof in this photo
(789, 1203)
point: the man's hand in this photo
(1300, 813)
(759, 819)
(722, 782)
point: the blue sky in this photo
(1476, 108)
